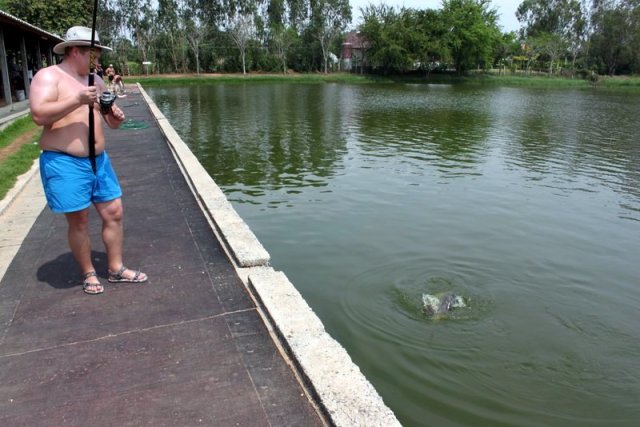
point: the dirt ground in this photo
(25, 138)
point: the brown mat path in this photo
(187, 348)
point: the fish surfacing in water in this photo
(436, 305)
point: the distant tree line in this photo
(184, 36)
(602, 36)
(202, 35)
(556, 36)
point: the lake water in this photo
(524, 201)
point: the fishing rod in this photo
(92, 60)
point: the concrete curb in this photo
(347, 397)
(245, 247)
(340, 388)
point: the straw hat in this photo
(78, 36)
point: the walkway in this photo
(187, 348)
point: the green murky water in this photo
(525, 201)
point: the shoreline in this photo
(480, 78)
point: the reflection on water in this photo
(451, 140)
(527, 202)
(259, 147)
(273, 137)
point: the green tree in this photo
(298, 14)
(109, 22)
(528, 55)
(419, 33)
(545, 16)
(142, 19)
(328, 19)
(241, 28)
(506, 49)
(115, 17)
(281, 40)
(281, 28)
(55, 16)
(549, 20)
(615, 30)
(380, 27)
(172, 38)
(472, 32)
(404, 40)
(199, 20)
(551, 47)
(276, 13)
(634, 17)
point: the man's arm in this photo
(115, 116)
(46, 106)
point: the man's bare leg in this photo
(80, 244)
(113, 235)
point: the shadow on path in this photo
(57, 274)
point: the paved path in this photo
(187, 348)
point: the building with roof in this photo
(24, 49)
(354, 49)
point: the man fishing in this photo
(75, 168)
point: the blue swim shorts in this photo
(70, 185)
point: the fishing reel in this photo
(106, 101)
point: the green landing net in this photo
(130, 124)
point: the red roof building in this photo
(354, 50)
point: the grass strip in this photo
(15, 129)
(530, 81)
(482, 78)
(621, 82)
(202, 79)
(17, 164)
(632, 83)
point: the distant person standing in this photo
(60, 95)
(15, 76)
(116, 85)
(14, 70)
(110, 72)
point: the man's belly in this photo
(72, 139)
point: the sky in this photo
(506, 9)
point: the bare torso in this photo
(70, 134)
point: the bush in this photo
(593, 77)
(268, 63)
(134, 67)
